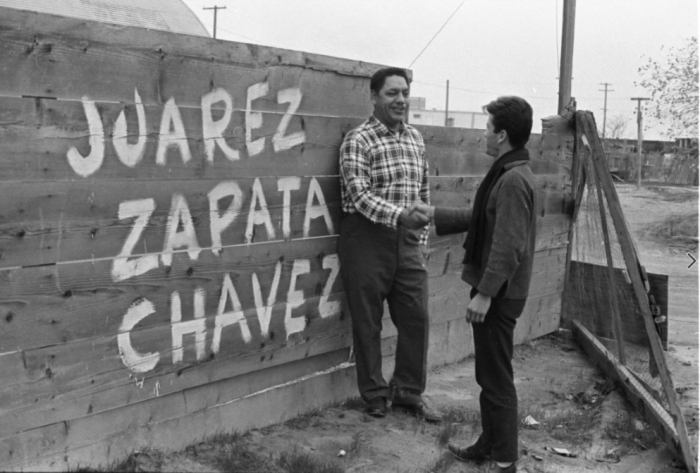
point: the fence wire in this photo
(603, 299)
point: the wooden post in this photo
(567, 53)
(632, 264)
(216, 9)
(447, 104)
(617, 325)
(639, 140)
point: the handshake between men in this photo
(418, 215)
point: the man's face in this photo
(492, 138)
(391, 101)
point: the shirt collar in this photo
(381, 128)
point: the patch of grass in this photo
(305, 419)
(299, 462)
(440, 464)
(240, 458)
(131, 464)
(462, 415)
(676, 229)
(454, 420)
(572, 426)
(631, 438)
(676, 195)
(354, 403)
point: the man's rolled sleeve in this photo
(425, 197)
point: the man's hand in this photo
(477, 308)
(413, 220)
(422, 208)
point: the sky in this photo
(488, 48)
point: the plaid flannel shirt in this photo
(382, 172)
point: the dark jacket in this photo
(511, 222)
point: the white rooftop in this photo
(165, 15)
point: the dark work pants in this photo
(379, 263)
(493, 347)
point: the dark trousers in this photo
(493, 346)
(379, 263)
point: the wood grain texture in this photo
(68, 391)
(69, 58)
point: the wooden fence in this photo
(678, 168)
(168, 264)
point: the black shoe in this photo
(413, 404)
(376, 407)
(467, 454)
(420, 410)
(494, 468)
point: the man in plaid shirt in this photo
(382, 246)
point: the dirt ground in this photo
(557, 385)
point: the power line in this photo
(216, 9)
(247, 37)
(431, 40)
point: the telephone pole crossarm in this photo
(216, 9)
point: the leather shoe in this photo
(420, 410)
(466, 454)
(494, 468)
(376, 407)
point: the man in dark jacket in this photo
(500, 246)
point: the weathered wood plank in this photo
(68, 58)
(70, 302)
(587, 300)
(257, 410)
(643, 402)
(462, 152)
(38, 136)
(146, 398)
(64, 221)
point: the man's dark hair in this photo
(379, 77)
(514, 115)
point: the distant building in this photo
(163, 15)
(419, 115)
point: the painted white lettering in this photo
(122, 267)
(224, 319)
(172, 133)
(130, 154)
(265, 310)
(85, 166)
(258, 217)
(220, 222)
(325, 308)
(280, 141)
(287, 185)
(179, 329)
(295, 298)
(253, 120)
(132, 359)
(315, 211)
(213, 130)
(179, 214)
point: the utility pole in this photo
(215, 8)
(447, 104)
(605, 107)
(639, 139)
(567, 53)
